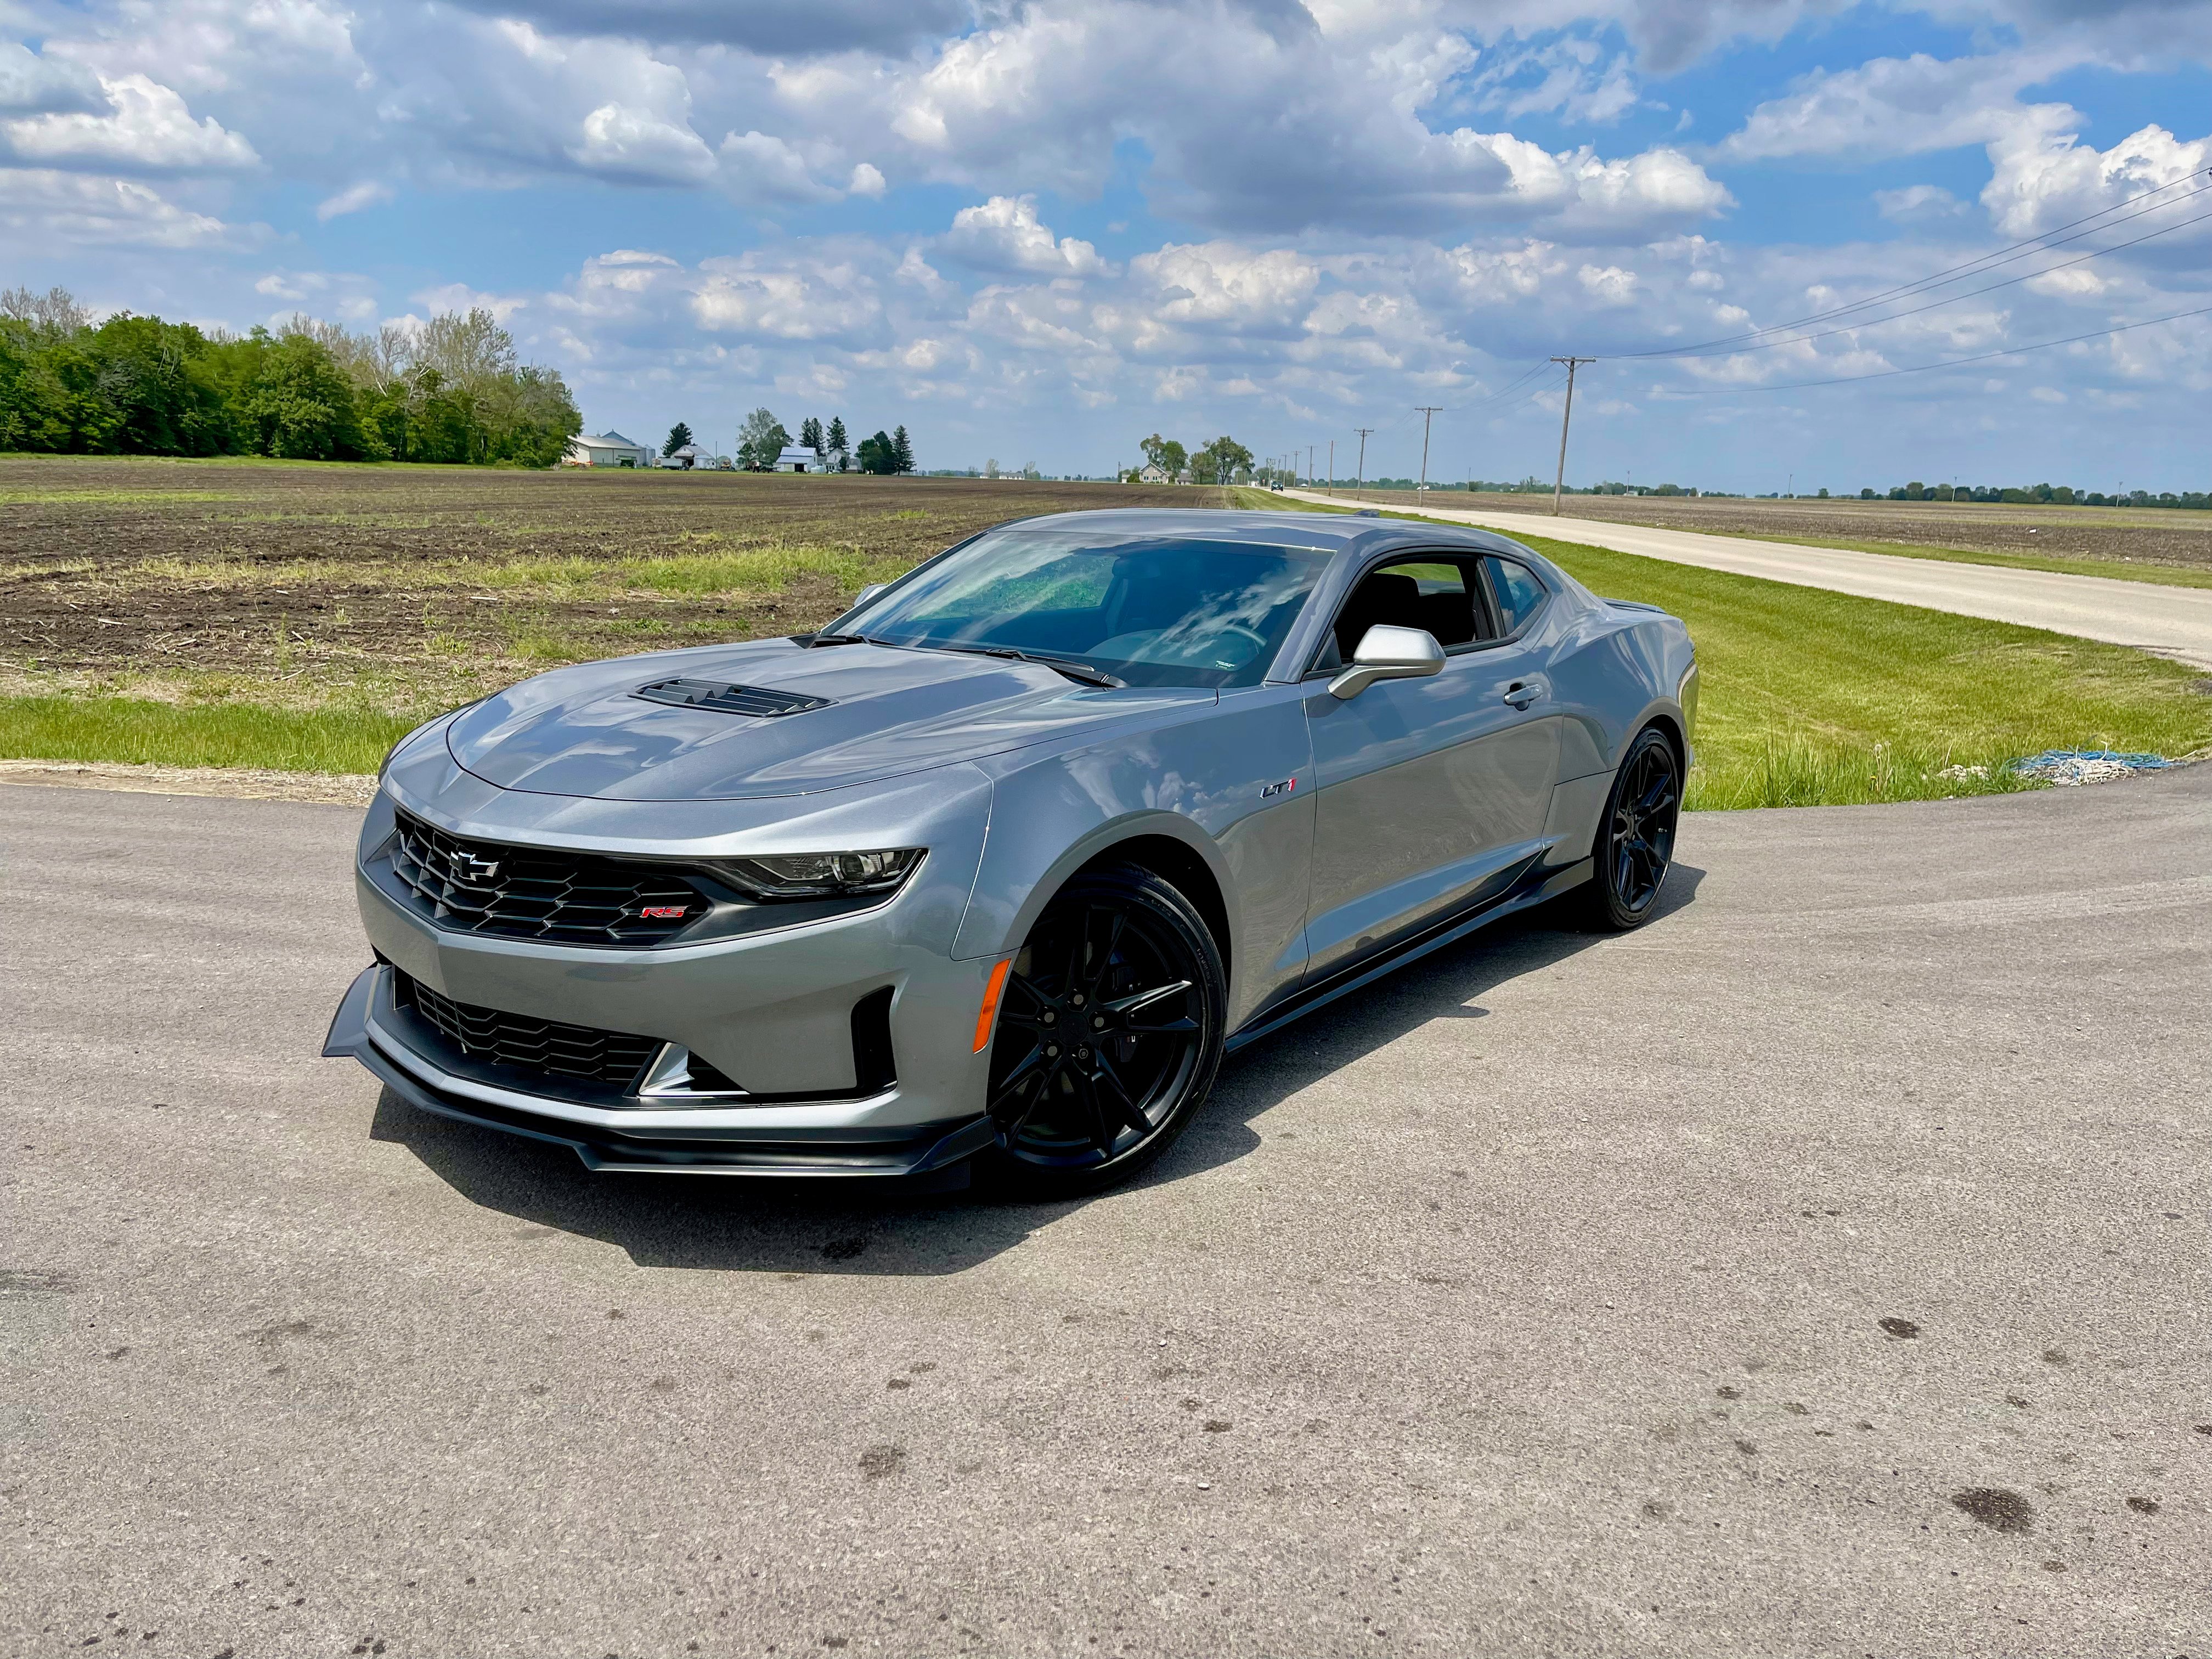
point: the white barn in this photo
(607, 449)
(795, 459)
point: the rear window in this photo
(1520, 595)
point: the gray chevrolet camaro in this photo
(1000, 863)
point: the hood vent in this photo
(751, 701)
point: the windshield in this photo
(1152, 610)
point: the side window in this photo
(1520, 595)
(1442, 596)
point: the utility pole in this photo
(1309, 472)
(1566, 414)
(1362, 431)
(1428, 413)
(1332, 463)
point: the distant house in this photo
(685, 458)
(797, 459)
(607, 449)
(1155, 473)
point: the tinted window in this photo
(1520, 595)
(1438, 596)
(1150, 610)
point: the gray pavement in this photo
(1534, 1305)
(2167, 622)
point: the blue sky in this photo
(1037, 232)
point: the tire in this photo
(1635, 845)
(1109, 1033)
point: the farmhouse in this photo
(1155, 473)
(607, 449)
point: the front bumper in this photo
(854, 1138)
(833, 1045)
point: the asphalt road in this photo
(2168, 622)
(1534, 1305)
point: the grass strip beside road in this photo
(138, 731)
(1809, 698)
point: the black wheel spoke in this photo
(1103, 1135)
(1138, 1002)
(1108, 1083)
(1026, 1095)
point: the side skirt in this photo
(1447, 930)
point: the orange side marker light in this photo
(989, 1011)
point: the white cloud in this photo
(2041, 180)
(1891, 107)
(866, 181)
(1609, 285)
(354, 197)
(639, 144)
(39, 206)
(760, 167)
(34, 85)
(147, 129)
(460, 296)
(766, 298)
(1917, 204)
(1004, 234)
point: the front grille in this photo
(543, 1046)
(537, 892)
(754, 701)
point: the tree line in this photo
(452, 390)
(762, 439)
(2042, 493)
(1222, 461)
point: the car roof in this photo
(1334, 531)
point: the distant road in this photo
(2168, 622)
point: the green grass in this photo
(1813, 698)
(138, 731)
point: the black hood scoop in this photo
(753, 701)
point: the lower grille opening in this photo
(546, 1047)
(873, 1068)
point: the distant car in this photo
(998, 864)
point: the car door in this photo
(1429, 793)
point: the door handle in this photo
(1521, 693)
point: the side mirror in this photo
(1389, 654)
(869, 592)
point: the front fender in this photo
(1234, 788)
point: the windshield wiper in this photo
(1075, 670)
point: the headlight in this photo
(819, 875)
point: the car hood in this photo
(584, 731)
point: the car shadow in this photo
(802, 1227)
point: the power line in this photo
(2039, 242)
(1934, 305)
(1950, 362)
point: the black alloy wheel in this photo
(1109, 1033)
(1636, 839)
